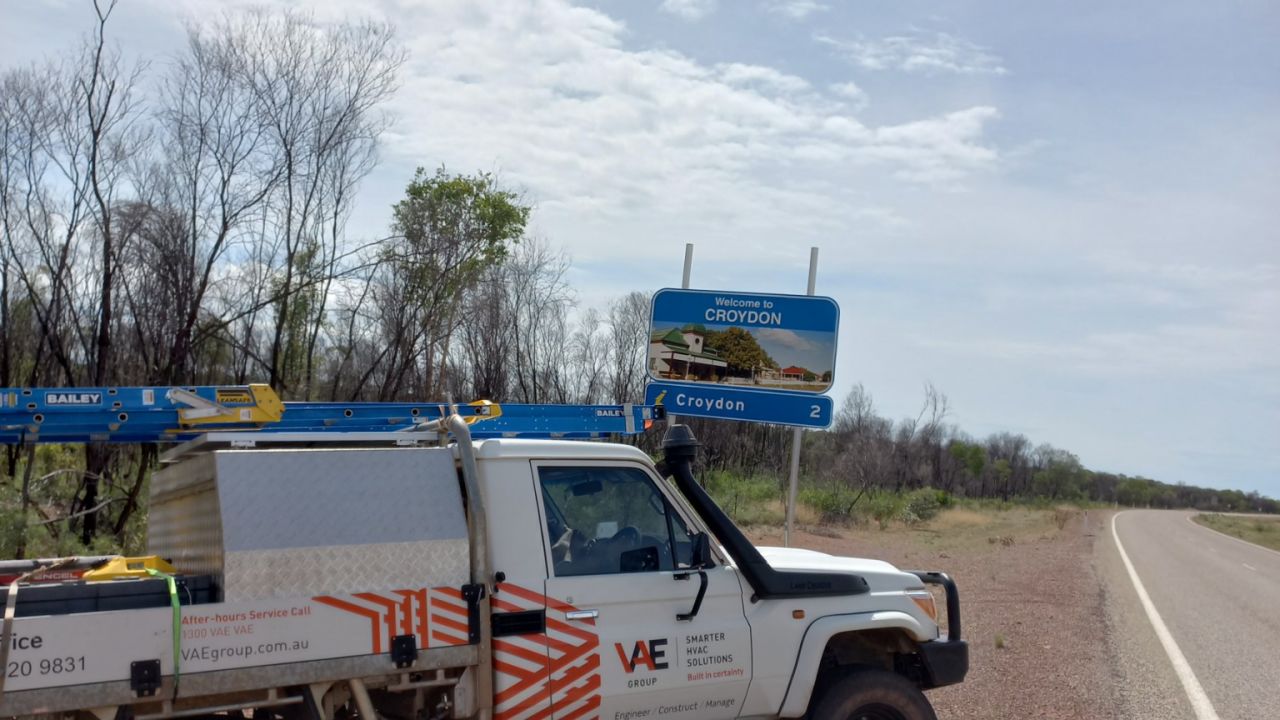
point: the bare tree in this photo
(71, 131)
(540, 302)
(315, 90)
(628, 346)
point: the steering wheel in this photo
(628, 536)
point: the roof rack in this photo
(182, 414)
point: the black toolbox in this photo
(80, 597)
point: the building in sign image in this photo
(737, 356)
(676, 354)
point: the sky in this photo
(1061, 214)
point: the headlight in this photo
(924, 600)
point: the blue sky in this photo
(1062, 214)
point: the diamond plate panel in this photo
(345, 569)
(313, 498)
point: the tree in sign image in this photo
(739, 349)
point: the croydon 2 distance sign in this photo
(743, 356)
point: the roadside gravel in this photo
(1033, 605)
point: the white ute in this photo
(504, 578)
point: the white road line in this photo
(1250, 567)
(1255, 546)
(1195, 693)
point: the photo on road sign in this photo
(745, 340)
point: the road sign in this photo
(783, 343)
(732, 403)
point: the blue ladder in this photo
(179, 414)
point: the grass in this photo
(1264, 531)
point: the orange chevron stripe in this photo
(372, 615)
(590, 706)
(574, 674)
(566, 649)
(532, 596)
(411, 623)
(572, 658)
(509, 669)
(504, 606)
(389, 611)
(533, 656)
(566, 629)
(541, 698)
(589, 691)
(446, 607)
(451, 624)
(545, 712)
(447, 639)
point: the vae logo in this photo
(650, 654)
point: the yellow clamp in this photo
(256, 403)
(486, 410)
(129, 567)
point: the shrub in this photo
(921, 505)
(884, 507)
(832, 504)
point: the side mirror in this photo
(702, 550)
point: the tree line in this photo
(184, 221)
(865, 453)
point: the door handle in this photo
(582, 615)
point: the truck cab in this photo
(621, 593)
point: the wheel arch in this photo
(852, 638)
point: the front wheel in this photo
(873, 695)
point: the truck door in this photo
(621, 642)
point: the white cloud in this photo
(762, 77)
(919, 52)
(850, 92)
(550, 93)
(689, 9)
(603, 135)
(796, 9)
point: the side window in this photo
(605, 520)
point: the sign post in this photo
(796, 438)
(684, 283)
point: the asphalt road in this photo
(1218, 598)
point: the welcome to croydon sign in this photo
(743, 356)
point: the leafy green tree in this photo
(1060, 481)
(971, 456)
(452, 227)
(1134, 492)
(449, 230)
